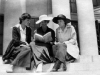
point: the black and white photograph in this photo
(50, 37)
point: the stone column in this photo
(60, 7)
(13, 10)
(0, 6)
(86, 25)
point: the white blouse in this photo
(68, 36)
(23, 34)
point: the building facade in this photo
(83, 13)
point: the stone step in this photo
(48, 67)
(88, 59)
(3, 68)
(75, 67)
(96, 58)
(85, 59)
(84, 63)
(58, 73)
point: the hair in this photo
(24, 16)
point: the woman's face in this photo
(44, 23)
(26, 22)
(61, 23)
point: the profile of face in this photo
(61, 23)
(26, 22)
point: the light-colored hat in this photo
(42, 18)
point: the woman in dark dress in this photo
(21, 37)
(42, 50)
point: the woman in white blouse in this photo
(66, 47)
(18, 46)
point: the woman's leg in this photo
(56, 66)
(23, 58)
(60, 53)
(64, 66)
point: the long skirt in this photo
(11, 51)
(32, 56)
(61, 54)
(23, 59)
(40, 54)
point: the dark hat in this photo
(61, 16)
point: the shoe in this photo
(56, 66)
(54, 70)
(28, 68)
(7, 61)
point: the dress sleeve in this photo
(56, 35)
(16, 37)
(53, 36)
(72, 40)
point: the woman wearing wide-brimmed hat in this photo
(66, 47)
(42, 50)
(39, 51)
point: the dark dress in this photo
(13, 48)
(42, 52)
(36, 53)
(48, 45)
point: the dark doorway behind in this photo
(1, 33)
(33, 25)
(75, 24)
(97, 24)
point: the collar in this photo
(21, 28)
(67, 27)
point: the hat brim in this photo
(55, 20)
(48, 18)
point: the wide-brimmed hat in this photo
(43, 17)
(61, 16)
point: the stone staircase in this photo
(86, 65)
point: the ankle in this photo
(54, 70)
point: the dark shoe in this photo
(28, 68)
(56, 66)
(54, 70)
(7, 61)
(64, 66)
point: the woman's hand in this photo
(26, 43)
(27, 46)
(62, 45)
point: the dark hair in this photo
(24, 16)
(63, 20)
(47, 21)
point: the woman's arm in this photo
(72, 40)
